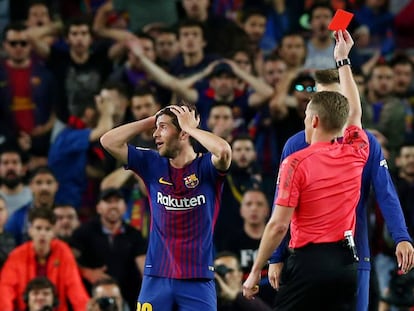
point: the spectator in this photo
(191, 41)
(107, 246)
(221, 122)
(43, 185)
(166, 47)
(67, 221)
(7, 242)
(38, 17)
(40, 294)
(403, 69)
(321, 44)
(274, 69)
(292, 50)
(69, 154)
(12, 173)
(144, 105)
(222, 36)
(222, 87)
(383, 111)
(229, 279)
(243, 175)
(80, 70)
(107, 294)
(28, 97)
(42, 256)
(244, 241)
(254, 23)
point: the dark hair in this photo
(187, 23)
(252, 12)
(401, 59)
(102, 282)
(41, 170)
(37, 2)
(16, 26)
(14, 149)
(143, 91)
(167, 111)
(327, 76)
(117, 86)
(167, 30)
(332, 109)
(243, 136)
(40, 282)
(42, 213)
(290, 34)
(78, 21)
(228, 254)
(143, 35)
(221, 104)
(320, 5)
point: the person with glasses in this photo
(229, 281)
(27, 95)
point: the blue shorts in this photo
(164, 294)
(362, 290)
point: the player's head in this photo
(327, 80)
(168, 135)
(328, 112)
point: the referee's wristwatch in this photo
(343, 62)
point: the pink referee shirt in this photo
(323, 183)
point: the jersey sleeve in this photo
(288, 182)
(386, 195)
(358, 139)
(141, 160)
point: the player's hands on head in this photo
(344, 43)
(187, 118)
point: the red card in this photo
(340, 20)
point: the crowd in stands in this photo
(72, 70)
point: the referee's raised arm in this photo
(349, 88)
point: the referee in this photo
(318, 193)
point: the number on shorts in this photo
(144, 307)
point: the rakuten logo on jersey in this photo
(171, 203)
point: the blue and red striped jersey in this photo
(184, 208)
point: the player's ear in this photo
(184, 135)
(315, 121)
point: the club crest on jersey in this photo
(191, 181)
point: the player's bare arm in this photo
(115, 141)
(349, 88)
(273, 234)
(220, 149)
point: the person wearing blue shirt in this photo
(375, 173)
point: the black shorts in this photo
(319, 277)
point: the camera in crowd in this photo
(221, 270)
(401, 289)
(107, 304)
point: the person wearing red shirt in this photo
(318, 194)
(42, 256)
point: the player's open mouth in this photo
(158, 144)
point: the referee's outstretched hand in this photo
(251, 285)
(343, 44)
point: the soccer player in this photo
(319, 191)
(375, 173)
(184, 188)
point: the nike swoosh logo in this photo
(164, 182)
